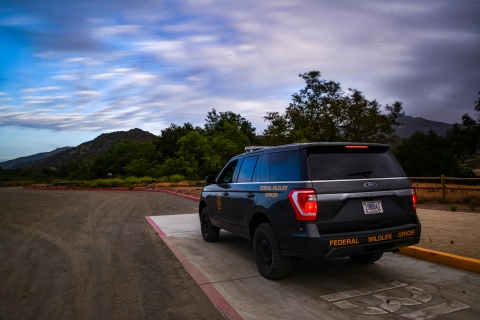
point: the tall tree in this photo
(465, 139)
(321, 111)
(477, 107)
(167, 142)
(125, 158)
(219, 123)
(427, 154)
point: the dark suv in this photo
(320, 200)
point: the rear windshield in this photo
(341, 163)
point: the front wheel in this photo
(367, 258)
(270, 261)
(210, 233)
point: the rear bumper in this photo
(324, 246)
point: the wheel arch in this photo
(256, 220)
(201, 205)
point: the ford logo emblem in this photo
(370, 184)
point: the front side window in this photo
(226, 176)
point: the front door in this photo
(220, 200)
(244, 193)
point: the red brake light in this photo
(356, 147)
(414, 198)
(304, 202)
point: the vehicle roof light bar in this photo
(254, 148)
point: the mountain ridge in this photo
(87, 151)
(410, 124)
(24, 161)
(90, 149)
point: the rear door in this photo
(359, 188)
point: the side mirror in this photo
(210, 179)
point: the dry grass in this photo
(174, 184)
(452, 196)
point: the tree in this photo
(167, 142)
(323, 112)
(126, 158)
(201, 152)
(137, 167)
(465, 140)
(477, 107)
(220, 122)
(427, 154)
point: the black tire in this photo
(210, 233)
(367, 258)
(271, 263)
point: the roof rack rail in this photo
(254, 148)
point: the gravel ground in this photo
(451, 232)
(92, 255)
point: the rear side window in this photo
(284, 166)
(246, 171)
(353, 164)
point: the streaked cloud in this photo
(31, 90)
(98, 66)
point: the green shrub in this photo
(163, 179)
(117, 182)
(131, 181)
(177, 178)
(453, 207)
(146, 180)
(100, 183)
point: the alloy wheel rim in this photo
(266, 251)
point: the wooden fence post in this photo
(442, 178)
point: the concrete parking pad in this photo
(397, 286)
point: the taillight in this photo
(414, 198)
(304, 202)
(356, 147)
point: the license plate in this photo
(372, 207)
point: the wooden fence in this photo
(443, 186)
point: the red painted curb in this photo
(216, 297)
(109, 189)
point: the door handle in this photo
(226, 194)
(250, 195)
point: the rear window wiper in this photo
(360, 173)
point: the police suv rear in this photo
(312, 200)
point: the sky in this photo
(73, 69)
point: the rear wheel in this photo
(210, 233)
(367, 258)
(270, 261)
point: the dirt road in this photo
(450, 232)
(92, 255)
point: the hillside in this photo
(412, 124)
(91, 149)
(28, 161)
